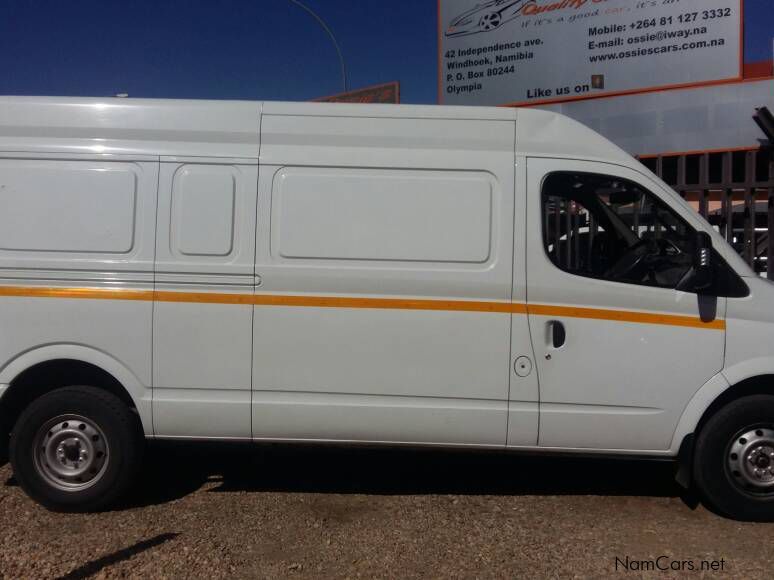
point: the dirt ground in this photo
(285, 512)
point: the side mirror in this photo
(702, 262)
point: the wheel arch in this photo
(719, 391)
(710, 398)
(36, 372)
(756, 385)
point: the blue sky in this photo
(235, 49)
(759, 33)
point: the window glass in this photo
(610, 228)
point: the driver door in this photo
(619, 349)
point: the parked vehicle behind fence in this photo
(457, 277)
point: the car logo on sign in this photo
(486, 17)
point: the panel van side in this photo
(77, 231)
(311, 272)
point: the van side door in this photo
(202, 321)
(385, 254)
(620, 348)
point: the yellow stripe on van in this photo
(624, 316)
(90, 293)
(389, 303)
(203, 297)
(364, 303)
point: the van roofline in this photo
(188, 126)
(272, 107)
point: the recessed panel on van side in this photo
(203, 210)
(382, 215)
(55, 210)
(91, 208)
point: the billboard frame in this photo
(656, 89)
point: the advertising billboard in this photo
(501, 52)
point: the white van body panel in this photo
(374, 373)
(144, 127)
(205, 248)
(385, 111)
(749, 351)
(103, 193)
(96, 217)
(386, 215)
(749, 354)
(198, 252)
(696, 408)
(541, 133)
(77, 225)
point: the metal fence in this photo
(734, 191)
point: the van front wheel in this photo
(734, 459)
(75, 449)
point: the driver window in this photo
(610, 228)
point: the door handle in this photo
(557, 334)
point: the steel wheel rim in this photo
(750, 460)
(70, 452)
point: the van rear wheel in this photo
(76, 449)
(734, 459)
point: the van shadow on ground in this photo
(174, 470)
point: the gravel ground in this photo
(285, 512)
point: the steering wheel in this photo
(633, 263)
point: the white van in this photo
(471, 277)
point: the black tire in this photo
(111, 424)
(718, 468)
